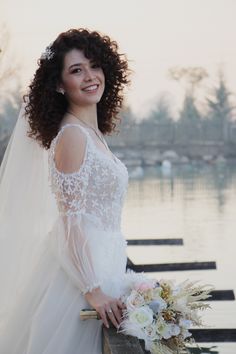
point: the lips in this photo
(91, 87)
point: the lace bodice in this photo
(98, 188)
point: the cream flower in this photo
(142, 316)
(156, 293)
(134, 300)
(151, 332)
(166, 330)
(181, 305)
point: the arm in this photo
(72, 243)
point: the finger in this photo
(121, 304)
(113, 319)
(111, 315)
(116, 312)
(103, 316)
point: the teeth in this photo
(91, 88)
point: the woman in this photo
(62, 248)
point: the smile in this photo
(92, 88)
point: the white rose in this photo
(167, 330)
(142, 316)
(162, 328)
(134, 300)
(151, 332)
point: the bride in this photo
(61, 197)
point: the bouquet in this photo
(161, 313)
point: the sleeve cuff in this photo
(90, 288)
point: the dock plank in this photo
(156, 242)
(222, 295)
(214, 335)
(167, 267)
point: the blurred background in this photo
(178, 131)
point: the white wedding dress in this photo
(85, 248)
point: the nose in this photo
(88, 75)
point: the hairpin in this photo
(48, 53)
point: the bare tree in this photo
(192, 76)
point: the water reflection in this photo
(218, 179)
(204, 350)
(198, 176)
(222, 348)
(197, 203)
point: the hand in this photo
(102, 303)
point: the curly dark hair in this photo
(46, 107)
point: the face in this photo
(77, 75)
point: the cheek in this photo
(71, 84)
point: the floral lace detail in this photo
(98, 188)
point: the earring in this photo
(61, 91)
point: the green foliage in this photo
(219, 106)
(8, 114)
(127, 117)
(161, 113)
(189, 112)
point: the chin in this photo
(96, 98)
(92, 101)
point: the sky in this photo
(155, 35)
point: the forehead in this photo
(75, 56)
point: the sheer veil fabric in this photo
(27, 212)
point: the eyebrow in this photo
(79, 64)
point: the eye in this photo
(75, 70)
(95, 66)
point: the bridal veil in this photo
(27, 211)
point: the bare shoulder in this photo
(70, 148)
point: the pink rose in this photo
(143, 287)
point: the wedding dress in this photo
(84, 248)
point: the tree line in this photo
(218, 106)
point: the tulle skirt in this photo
(46, 317)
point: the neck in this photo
(86, 114)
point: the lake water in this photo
(196, 202)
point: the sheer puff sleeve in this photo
(70, 178)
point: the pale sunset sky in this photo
(154, 34)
